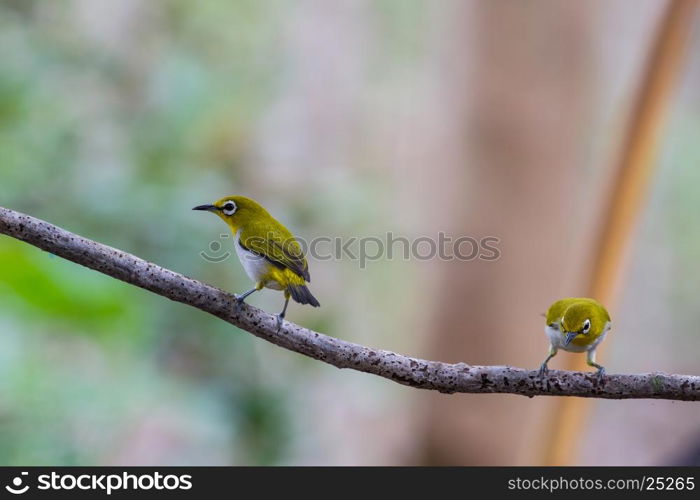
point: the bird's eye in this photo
(587, 326)
(229, 208)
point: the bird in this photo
(268, 251)
(576, 325)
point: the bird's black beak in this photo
(208, 208)
(569, 337)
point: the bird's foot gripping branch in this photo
(413, 372)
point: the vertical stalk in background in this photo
(627, 196)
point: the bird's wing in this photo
(278, 246)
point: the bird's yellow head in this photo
(583, 321)
(236, 211)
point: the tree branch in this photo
(414, 372)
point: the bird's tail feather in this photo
(301, 294)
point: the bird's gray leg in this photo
(543, 367)
(590, 360)
(241, 298)
(280, 316)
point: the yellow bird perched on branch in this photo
(268, 251)
(576, 325)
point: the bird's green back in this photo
(577, 310)
(261, 233)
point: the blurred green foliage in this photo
(116, 118)
(94, 135)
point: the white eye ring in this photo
(229, 208)
(587, 326)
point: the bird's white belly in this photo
(256, 267)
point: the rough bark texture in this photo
(414, 372)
